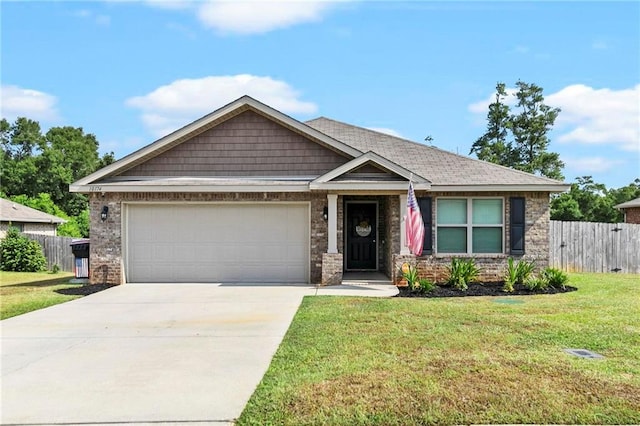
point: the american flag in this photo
(414, 224)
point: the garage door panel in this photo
(266, 242)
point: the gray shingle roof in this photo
(13, 212)
(629, 204)
(438, 166)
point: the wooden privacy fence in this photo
(595, 247)
(57, 250)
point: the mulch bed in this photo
(480, 289)
(84, 290)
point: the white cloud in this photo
(591, 165)
(599, 45)
(259, 16)
(589, 116)
(18, 102)
(102, 20)
(598, 116)
(386, 130)
(249, 17)
(169, 107)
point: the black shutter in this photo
(517, 225)
(425, 209)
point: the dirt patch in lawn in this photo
(480, 289)
(84, 290)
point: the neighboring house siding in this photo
(106, 259)
(245, 145)
(632, 215)
(492, 267)
(29, 228)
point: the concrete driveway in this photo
(147, 354)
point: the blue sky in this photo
(130, 72)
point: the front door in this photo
(361, 232)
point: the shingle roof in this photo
(13, 212)
(438, 166)
(629, 204)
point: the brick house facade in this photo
(350, 182)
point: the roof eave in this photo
(546, 187)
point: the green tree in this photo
(34, 164)
(76, 226)
(527, 149)
(589, 201)
(493, 145)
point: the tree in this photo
(493, 145)
(527, 150)
(34, 164)
(589, 201)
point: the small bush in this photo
(55, 269)
(426, 285)
(20, 254)
(539, 283)
(411, 275)
(462, 272)
(555, 277)
(517, 273)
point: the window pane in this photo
(452, 240)
(452, 212)
(487, 212)
(487, 240)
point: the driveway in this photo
(146, 354)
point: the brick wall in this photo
(632, 215)
(106, 260)
(492, 267)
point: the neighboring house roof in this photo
(440, 167)
(428, 166)
(629, 204)
(11, 211)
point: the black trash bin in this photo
(80, 250)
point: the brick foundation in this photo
(331, 268)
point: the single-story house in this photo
(26, 219)
(249, 194)
(631, 210)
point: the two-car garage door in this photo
(209, 243)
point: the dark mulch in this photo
(480, 289)
(84, 290)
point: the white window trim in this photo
(469, 225)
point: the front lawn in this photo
(399, 361)
(22, 292)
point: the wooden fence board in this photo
(594, 247)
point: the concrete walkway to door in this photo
(148, 353)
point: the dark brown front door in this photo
(361, 236)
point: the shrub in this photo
(20, 254)
(462, 272)
(55, 269)
(539, 283)
(426, 285)
(411, 275)
(555, 277)
(517, 273)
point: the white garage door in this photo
(210, 243)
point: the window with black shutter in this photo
(517, 225)
(425, 209)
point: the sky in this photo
(132, 71)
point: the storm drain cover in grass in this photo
(583, 353)
(509, 301)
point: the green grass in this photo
(349, 361)
(22, 292)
